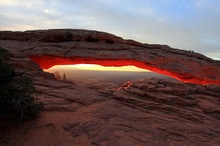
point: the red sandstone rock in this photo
(56, 47)
(141, 112)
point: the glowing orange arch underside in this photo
(46, 62)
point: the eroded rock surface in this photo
(141, 112)
(54, 47)
(147, 112)
(157, 112)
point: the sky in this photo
(183, 24)
(94, 67)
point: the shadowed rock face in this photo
(60, 47)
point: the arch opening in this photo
(46, 62)
(93, 73)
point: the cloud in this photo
(190, 25)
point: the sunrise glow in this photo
(96, 67)
(185, 24)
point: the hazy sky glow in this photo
(94, 67)
(184, 24)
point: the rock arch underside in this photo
(139, 112)
(62, 47)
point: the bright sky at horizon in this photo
(183, 24)
(95, 68)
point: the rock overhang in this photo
(64, 47)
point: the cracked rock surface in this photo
(141, 112)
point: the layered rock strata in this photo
(56, 47)
(140, 112)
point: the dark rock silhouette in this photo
(64, 77)
(57, 75)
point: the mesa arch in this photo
(69, 46)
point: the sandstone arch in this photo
(67, 46)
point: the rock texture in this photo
(54, 47)
(141, 112)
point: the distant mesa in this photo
(69, 46)
(58, 76)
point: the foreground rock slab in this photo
(141, 112)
